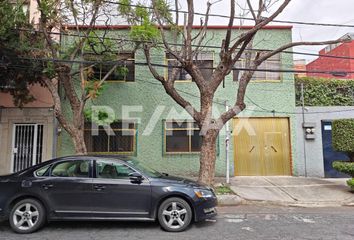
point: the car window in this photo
(43, 171)
(79, 168)
(112, 170)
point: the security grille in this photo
(27, 146)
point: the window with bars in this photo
(273, 63)
(181, 137)
(117, 138)
(125, 72)
(203, 60)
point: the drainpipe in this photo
(227, 146)
(303, 121)
(55, 135)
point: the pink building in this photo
(27, 133)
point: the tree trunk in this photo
(79, 142)
(208, 157)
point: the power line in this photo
(240, 18)
(263, 110)
(193, 45)
(333, 72)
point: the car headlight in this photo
(203, 193)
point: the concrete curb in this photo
(234, 200)
(229, 200)
(297, 204)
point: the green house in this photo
(150, 126)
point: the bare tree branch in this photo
(251, 10)
(190, 20)
(229, 29)
(260, 25)
(294, 44)
(202, 32)
(170, 89)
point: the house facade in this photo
(150, 126)
(27, 134)
(344, 63)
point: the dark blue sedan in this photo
(101, 188)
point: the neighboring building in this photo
(300, 65)
(266, 148)
(334, 99)
(315, 155)
(339, 65)
(26, 134)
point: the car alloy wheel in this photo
(27, 216)
(175, 215)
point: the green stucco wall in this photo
(147, 91)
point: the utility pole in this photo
(227, 146)
(303, 122)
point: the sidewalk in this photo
(291, 191)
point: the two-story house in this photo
(162, 134)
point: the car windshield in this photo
(144, 168)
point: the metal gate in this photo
(329, 154)
(262, 146)
(27, 146)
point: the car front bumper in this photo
(205, 208)
(2, 215)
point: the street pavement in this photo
(240, 222)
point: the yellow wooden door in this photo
(262, 147)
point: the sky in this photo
(319, 11)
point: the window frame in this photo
(46, 172)
(188, 129)
(166, 75)
(134, 135)
(118, 81)
(90, 174)
(280, 80)
(95, 169)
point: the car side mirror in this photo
(135, 177)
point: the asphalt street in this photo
(242, 222)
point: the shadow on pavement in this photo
(104, 225)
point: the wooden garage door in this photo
(261, 146)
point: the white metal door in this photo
(27, 144)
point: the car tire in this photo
(27, 216)
(175, 214)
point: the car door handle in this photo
(47, 186)
(99, 187)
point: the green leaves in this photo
(49, 8)
(146, 19)
(344, 167)
(94, 89)
(163, 9)
(343, 136)
(100, 115)
(325, 92)
(350, 183)
(124, 7)
(144, 32)
(142, 13)
(49, 70)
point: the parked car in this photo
(101, 188)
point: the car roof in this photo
(94, 157)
